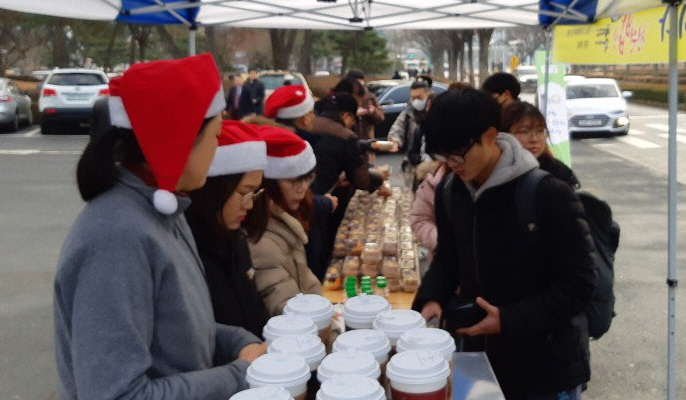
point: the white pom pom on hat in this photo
(165, 104)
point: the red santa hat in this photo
(165, 104)
(241, 149)
(289, 102)
(288, 156)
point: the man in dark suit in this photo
(252, 97)
(233, 108)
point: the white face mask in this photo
(419, 104)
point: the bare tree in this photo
(283, 41)
(19, 33)
(169, 42)
(139, 35)
(435, 43)
(305, 60)
(469, 35)
(484, 42)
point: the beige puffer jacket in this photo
(280, 263)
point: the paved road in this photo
(39, 201)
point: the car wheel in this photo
(13, 125)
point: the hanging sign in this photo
(639, 38)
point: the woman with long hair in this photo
(133, 317)
(215, 217)
(279, 258)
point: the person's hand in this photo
(254, 101)
(334, 201)
(432, 310)
(250, 352)
(489, 325)
(371, 109)
(225, 113)
(395, 148)
(361, 111)
(384, 191)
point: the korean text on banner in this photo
(556, 107)
(639, 38)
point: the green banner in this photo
(556, 109)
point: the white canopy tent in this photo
(397, 15)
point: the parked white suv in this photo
(68, 95)
(275, 79)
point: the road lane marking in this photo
(33, 132)
(648, 116)
(637, 131)
(639, 143)
(28, 152)
(664, 128)
(679, 138)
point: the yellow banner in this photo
(640, 38)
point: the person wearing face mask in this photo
(278, 256)
(406, 126)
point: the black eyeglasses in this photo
(456, 157)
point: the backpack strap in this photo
(525, 201)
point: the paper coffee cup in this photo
(308, 346)
(427, 339)
(348, 362)
(318, 308)
(287, 325)
(351, 387)
(263, 393)
(374, 342)
(418, 374)
(360, 311)
(393, 323)
(287, 370)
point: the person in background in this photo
(407, 125)
(342, 154)
(132, 313)
(396, 75)
(279, 257)
(368, 112)
(215, 216)
(252, 95)
(233, 100)
(528, 300)
(527, 124)
(504, 87)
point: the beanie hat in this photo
(288, 102)
(241, 149)
(288, 156)
(165, 103)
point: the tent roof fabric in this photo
(319, 14)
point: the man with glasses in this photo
(520, 301)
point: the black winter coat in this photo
(559, 170)
(541, 292)
(227, 269)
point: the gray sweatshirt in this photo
(133, 317)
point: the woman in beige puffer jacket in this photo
(279, 259)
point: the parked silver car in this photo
(597, 105)
(15, 106)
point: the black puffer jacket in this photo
(541, 293)
(228, 270)
(559, 170)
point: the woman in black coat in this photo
(215, 218)
(527, 124)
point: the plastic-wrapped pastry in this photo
(390, 267)
(393, 284)
(407, 254)
(332, 280)
(389, 246)
(405, 245)
(370, 269)
(407, 263)
(371, 253)
(410, 281)
(351, 266)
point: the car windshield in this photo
(378, 90)
(591, 91)
(77, 79)
(275, 81)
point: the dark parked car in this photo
(394, 97)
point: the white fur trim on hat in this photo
(291, 167)
(239, 157)
(119, 117)
(165, 201)
(297, 110)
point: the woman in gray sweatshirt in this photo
(133, 316)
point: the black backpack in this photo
(604, 230)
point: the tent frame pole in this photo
(191, 40)
(672, 202)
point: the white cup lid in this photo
(314, 306)
(351, 387)
(308, 346)
(427, 338)
(417, 367)
(263, 393)
(364, 308)
(348, 362)
(287, 370)
(368, 340)
(396, 322)
(288, 325)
